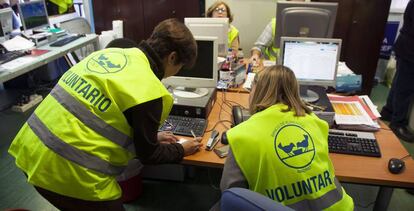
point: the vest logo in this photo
(294, 146)
(107, 62)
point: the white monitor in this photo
(189, 83)
(33, 15)
(304, 19)
(6, 21)
(212, 27)
(313, 60)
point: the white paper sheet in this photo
(18, 43)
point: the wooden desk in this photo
(348, 168)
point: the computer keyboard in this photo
(180, 125)
(66, 40)
(353, 142)
(11, 55)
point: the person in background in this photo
(402, 88)
(15, 19)
(264, 45)
(103, 112)
(281, 151)
(220, 9)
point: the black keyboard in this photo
(353, 142)
(180, 125)
(8, 56)
(66, 40)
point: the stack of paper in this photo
(355, 113)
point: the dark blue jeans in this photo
(401, 93)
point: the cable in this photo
(219, 122)
(405, 157)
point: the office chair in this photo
(78, 25)
(246, 200)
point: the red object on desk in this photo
(38, 52)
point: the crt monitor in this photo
(33, 15)
(313, 60)
(212, 27)
(304, 19)
(6, 21)
(191, 83)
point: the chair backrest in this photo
(243, 199)
(77, 25)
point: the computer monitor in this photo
(191, 83)
(6, 21)
(304, 19)
(33, 15)
(313, 60)
(211, 27)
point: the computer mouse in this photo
(396, 165)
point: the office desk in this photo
(348, 168)
(54, 53)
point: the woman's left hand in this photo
(166, 137)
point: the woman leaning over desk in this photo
(221, 10)
(282, 150)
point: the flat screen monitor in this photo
(313, 60)
(190, 82)
(6, 21)
(33, 15)
(304, 19)
(211, 27)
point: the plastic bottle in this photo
(240, 54)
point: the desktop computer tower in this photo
(194, 107)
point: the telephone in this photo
(239, 115)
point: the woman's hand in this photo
(166, 137)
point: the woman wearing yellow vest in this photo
(264, 45)
(221, 10)
(103, 112)
(281, 151)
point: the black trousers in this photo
(401, 93)
(68, 203)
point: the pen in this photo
(192, 132)
(168, 123)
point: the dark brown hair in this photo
(216, 4)
(277, 84)
(171, 35)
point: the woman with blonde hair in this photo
(281, 151)
(220, 9)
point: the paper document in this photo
(18, 43)
(352, 113)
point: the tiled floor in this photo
(198, 193)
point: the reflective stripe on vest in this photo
(323, 202)
(272, 52)
(91, 120)
(69, 152)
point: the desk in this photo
(348, 168)
(54, 53)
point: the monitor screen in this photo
(304, 19)
(313, 60)
(204, 64)
(33, 15)
(212, 27)
(204, 73)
